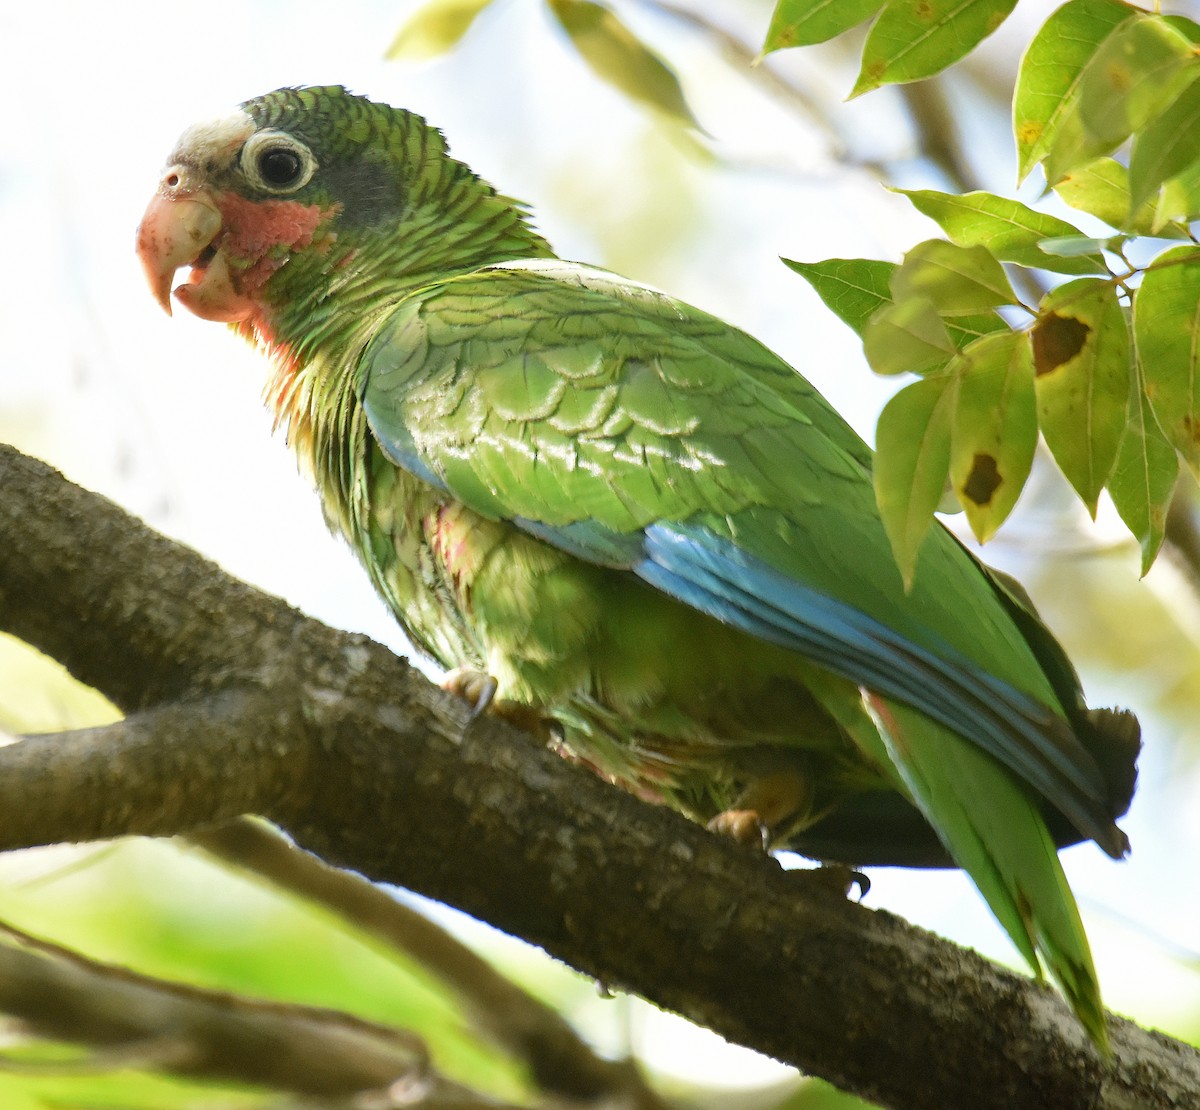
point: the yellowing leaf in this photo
(435, 28)
(906, 337)
(1143, 478)
(1050, 72)
(1101, 189)
(616, 55)
(1166, 328)
(995, 428)
(918, 38)
(1166, 146)
(912, 459)
(1082, 373)
(804, 22)
(1137, 71)
(957, 280)
(966, 329)
(1009, 229)
(1179, 200)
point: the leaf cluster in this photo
(1104, 366)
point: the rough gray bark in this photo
(239, 704)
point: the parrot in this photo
(632, 528)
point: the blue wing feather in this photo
(712, 574)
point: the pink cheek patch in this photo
(259, 234)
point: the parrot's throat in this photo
(311, 390)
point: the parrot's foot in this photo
(743, 825)
(835, 877)
(478, 689)
(768, 804)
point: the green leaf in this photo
(1011, 230)
(1179, 199)
(1101, 189)
(918, 38)
(1081, 364)
(1166, 324)
(853, 289)
(1166, 146)
(995, 428)
(957, 280)
(805, 22)
(1073, 246)
(966, 329)
(907, 337)
(1143, 478)
(1050, 72)
(1135, 74)
(434, 29)
(912, 460)
(616, 55)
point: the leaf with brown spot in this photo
(805, 22)
(983, 481)
(1049, 76)
(1136, 73)
(1056, 340)
(1082, 353)
(1101, 188)
(994, 429)
(912, 39)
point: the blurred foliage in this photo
(1106, 102)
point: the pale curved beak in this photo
(180, 222)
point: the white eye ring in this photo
(276, 162)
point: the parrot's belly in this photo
(652, 694)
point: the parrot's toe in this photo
(743, 825)
(478, 688)
(769, 805)
(835, 877)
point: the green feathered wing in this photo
(642, 436)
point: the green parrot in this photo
(632, 527)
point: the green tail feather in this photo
(995, 833)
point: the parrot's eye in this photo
(277, 163)
(279, 167)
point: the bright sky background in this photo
(165, 417)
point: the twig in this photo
(559, 1061)
(196, 1032)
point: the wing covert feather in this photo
(592, 412)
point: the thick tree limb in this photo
(370, 766)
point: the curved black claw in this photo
(477, 688)
(836, 877)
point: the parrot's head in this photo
(311, 196)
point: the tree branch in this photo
(381, 774)
(205, 1033)
(559, 1061)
